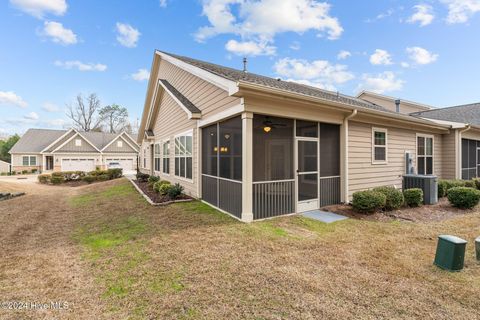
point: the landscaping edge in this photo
(150, 200)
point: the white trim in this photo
(29, 164)
(168, 156)
(188, 133)
(384, 130)
(191, 115)
(116, 139)
(425, 135)
(453, 124)
(71, 138)
(230, 86)
(61, 137)
(229, 113)
(152, 107)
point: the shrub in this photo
(477, 183)
(164, 189)
(142, 177)
(3, 173)
(368, 201)
(464, 198)
(72, 175)
(24, 171)
(394, 197)
(158, 184)
(34, 170)
(413, 197)
(175, 191)
(115, 173)
(57, 179)
(470, 184)
(89, 179)
(44, 178)
(152, 180)
(453, 184)
(442, 188)
(103, 177)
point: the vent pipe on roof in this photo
(245, 62)
(397, 104)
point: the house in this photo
(257, 147)
(70, 150)
(4, 167)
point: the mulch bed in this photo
(155, 196)
(443, 210)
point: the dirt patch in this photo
(156, 197)
(441, 211)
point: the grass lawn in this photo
(189, 261)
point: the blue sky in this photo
(51, 50)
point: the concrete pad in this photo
(323, 216)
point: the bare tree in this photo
(84, 113)
(114, 117)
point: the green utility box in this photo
(477, 248)
(450, 253)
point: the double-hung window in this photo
(183, 156)
(166, 157)
(157, 156)
(145, 158)
(424, 154)
(29, 160)
(379, 142)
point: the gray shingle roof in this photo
(187, 103)
(237, 75)
(35, 140)
(469, 113)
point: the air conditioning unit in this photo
(429, 185)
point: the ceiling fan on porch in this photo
(268, 124)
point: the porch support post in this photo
(344, 157)
(247, 167)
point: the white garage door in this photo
(125, 164)
(78, 164)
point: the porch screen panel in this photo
(470, 160)
(330, 186)
(230, 149)
(273, 168)
(210, 150)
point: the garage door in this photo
(125, 164)
(78, 164)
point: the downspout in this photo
(458, 142)
(345, 155)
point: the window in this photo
(157, 156)
(78, 142)
(120, 144)
(424, 154)
(379, 141)
(183, 156)
(166, 157)
(29, 160)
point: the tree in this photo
(114, 117)
(5, 147)
(84, 113)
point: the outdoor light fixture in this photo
(215, 149)
(227, 136)
(267, 129)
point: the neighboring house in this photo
(4, 167)
(393, 104)
(71, 150)
(257, 147)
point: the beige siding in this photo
(170, 122)
(4, 167)
(71, 147)
(62, 141)
(17, 162)
(405, 107)
(365, 175)
(114, 148)
(448, 156)
(209, 98)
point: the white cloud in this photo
(318, 73)
(52, 123)
(381, 16)
(31, 116)
(58, 33)
(38, 8)
(460, 11)
(11, 99)
(127, 35)
(343, 54)
(380, 83)
(141, 75)
(381, 57)
(295, 45)
(163, 3)
(423, 14)
(405, 64)
(80, 65)
(250, 48)
(50, 107)
(421, 56)
(253, 20)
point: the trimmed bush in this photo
(470, 184)
(442, 188)
(413, 197)
(103, 177)
(89, 179)
(175, 191)
(142, 177)
(24, 171)
(464, 198)
(115, 173)
(158, 184)
(44, 178)
(394, 197)
(477, 183)
(152, 180)
(34, 170)
(57, 179)
(368, 201)
(164, 189)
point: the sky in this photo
(52, 50)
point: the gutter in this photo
(345, 156)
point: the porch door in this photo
(307, 174)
